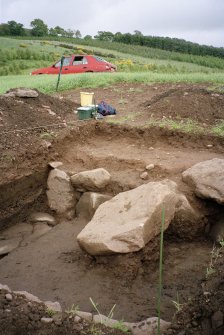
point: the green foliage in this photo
(39, 28)
(215, 254)
(51, 312)
(74, 308)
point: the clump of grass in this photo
(215, 254)
(218, 129)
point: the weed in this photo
(118, 325)
(177, 304)
(95, 331)
(215, 254)
(218, 129)
(47, 136)
(72, 310)
(121, 326)
(51, 312)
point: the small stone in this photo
(77, 319)
(150, 167)
(209, 145)
(8, 310)
(144, 175)
(194, 324)
(42, 217)
(85, 315)
(8, 297)
(46, 320)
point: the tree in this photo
(69, 33)
(87, 37)
(39, 28)
(137, 32)
(78, 34)
(104, 36)
(15, 28)
(4, 29)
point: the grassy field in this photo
(47, 83)
(135, 64)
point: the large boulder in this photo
(89, 202)
(207, 179)
(92, 180)
(130, 220)
(60, 193)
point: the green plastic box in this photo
(86, 112)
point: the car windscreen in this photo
(66, 62)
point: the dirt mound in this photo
(27, 127)
(197, 104)
(22, 113)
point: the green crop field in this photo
(18, 57)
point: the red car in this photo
(79, 64)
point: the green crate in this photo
(86, 112)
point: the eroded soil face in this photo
(53, 266)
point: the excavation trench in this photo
(53, 267)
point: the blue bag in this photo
(106, 109)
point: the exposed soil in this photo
(34, 131)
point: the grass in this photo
(219, 129)
(47, 83)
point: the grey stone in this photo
(108, 322)
(207, 179)
(85, 315)
(150, 167)
(89, 202)
(130, 220)
(144, 175)
(46, 320)
(61, 195)
(42, 217)
(77, 319)
(148, 326)
(7, 246)
(92, 180)
(28, 296)
(54, 306)
(8, 297)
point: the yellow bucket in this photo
(86, 98)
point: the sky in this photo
(200, 21)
